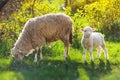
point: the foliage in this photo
(104, 15)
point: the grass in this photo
(55, 67)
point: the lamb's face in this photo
(87, 32)
(17, 54)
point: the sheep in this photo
(92, 40)
(43, 30)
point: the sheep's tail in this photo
(71, 36)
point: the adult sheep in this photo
(92, 40)
(41, 30)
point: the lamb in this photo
(43, 30)
(92, 40)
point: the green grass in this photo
(55, 67)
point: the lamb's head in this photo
(17, 54)
(87, 31)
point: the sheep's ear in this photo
(20, 51)
(82, 30)
(93, 29)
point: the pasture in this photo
(55, 67)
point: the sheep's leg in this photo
(66, 45)
(91, 55)
(98, 52)
(66, 42)
(41, 56)
(66, 51)
(105, 51)
(35, 58)
(84, 54)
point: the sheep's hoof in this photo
(18, 62)
(85, 62)
(67, 59)
(41, 62)
(107, 61)
(92, 63)
(41, 59)
(35, 61)
(98, 56)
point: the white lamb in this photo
(92, 40)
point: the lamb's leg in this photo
(98, 52)
(91, 55)
(105, 51)
(84, 54)
(41, 56)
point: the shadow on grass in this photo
(47, 70)
(60, 70)
(103, 66)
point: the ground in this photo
(55, 67)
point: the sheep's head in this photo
(17, 54)
(87, 31)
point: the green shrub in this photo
(104, 15)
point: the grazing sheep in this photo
(92, 40)
(42, 30)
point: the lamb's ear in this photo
(82, 30)
(93, 29)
